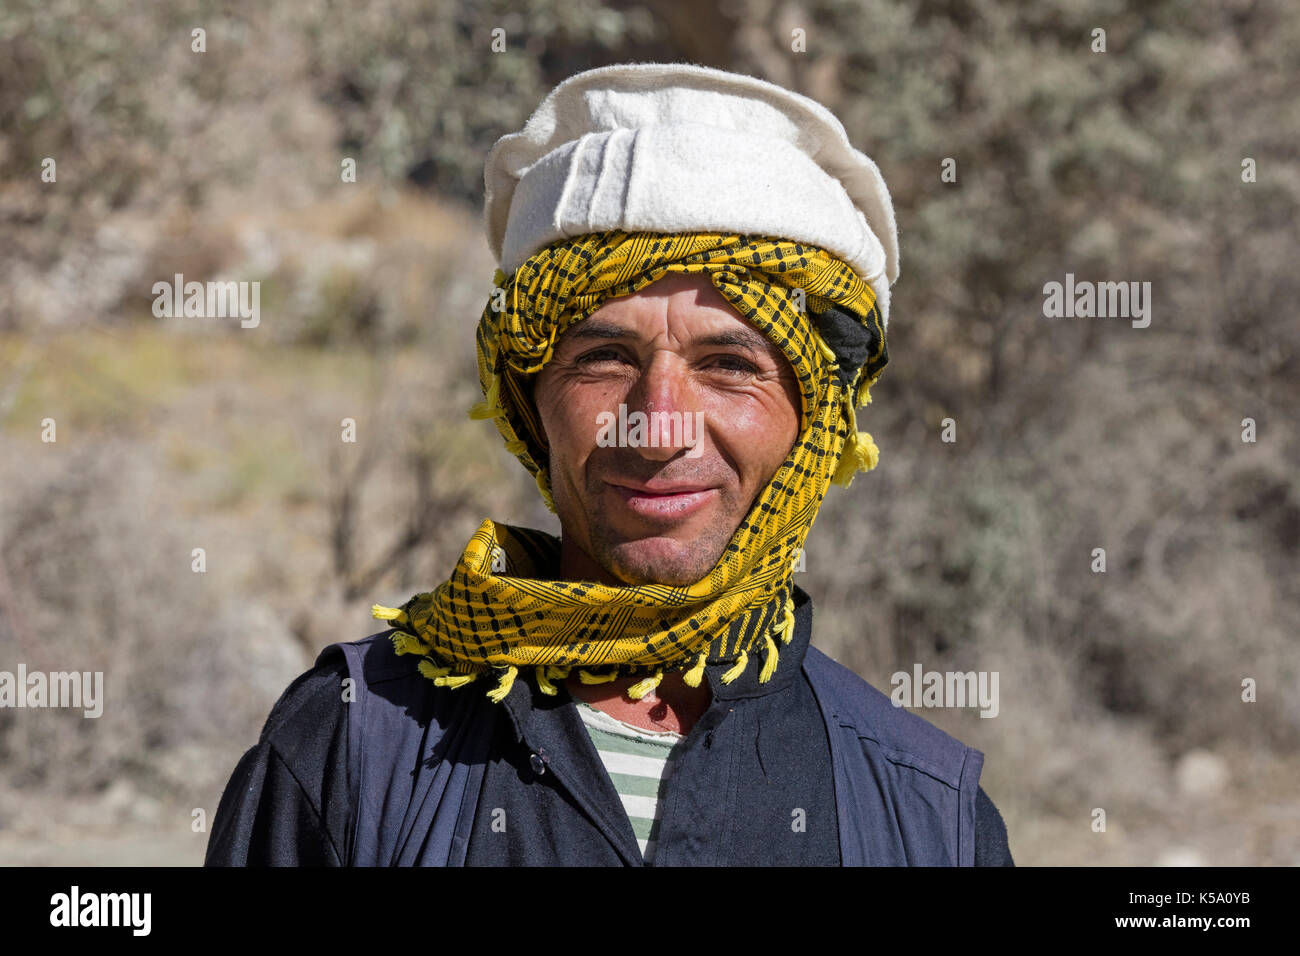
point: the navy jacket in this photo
(815, 767)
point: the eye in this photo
(734, 365)
(599, 355)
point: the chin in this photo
(660, 561)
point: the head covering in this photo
(675, 147)
(501, 610)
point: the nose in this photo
(663, 394)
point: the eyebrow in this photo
(746, 338)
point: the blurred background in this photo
(1119, 690)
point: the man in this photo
(691, 304)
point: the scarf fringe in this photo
(405, 642)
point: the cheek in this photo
(759, 432)
(568, 412)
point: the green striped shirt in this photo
(639, 763)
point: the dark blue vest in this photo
(905, 790)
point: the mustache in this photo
(624, 465)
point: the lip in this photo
(665, 502)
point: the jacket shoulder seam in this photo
(275, 752)
(896, 751)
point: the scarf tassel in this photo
(490, 407)
(769, 665)
(404, 643)
(693, 676)
(738, 669)
(864, 393)
(454, 680)
(543, 682)
(432, 671)
(641, 688)
(381, 613)
(786, 631)
(442, 676)
(786, 627)
(859, 452)
(507, 681)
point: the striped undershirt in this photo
(638, 762)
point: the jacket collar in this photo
(789, 660)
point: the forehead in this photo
(686, 307)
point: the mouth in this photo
(663, 501)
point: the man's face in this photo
(664, 510)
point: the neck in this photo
(674, 705)
(577, 565)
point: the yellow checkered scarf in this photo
(501, 611)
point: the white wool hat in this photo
(675, 147)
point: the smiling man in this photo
(679, 244)
(653, 513)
